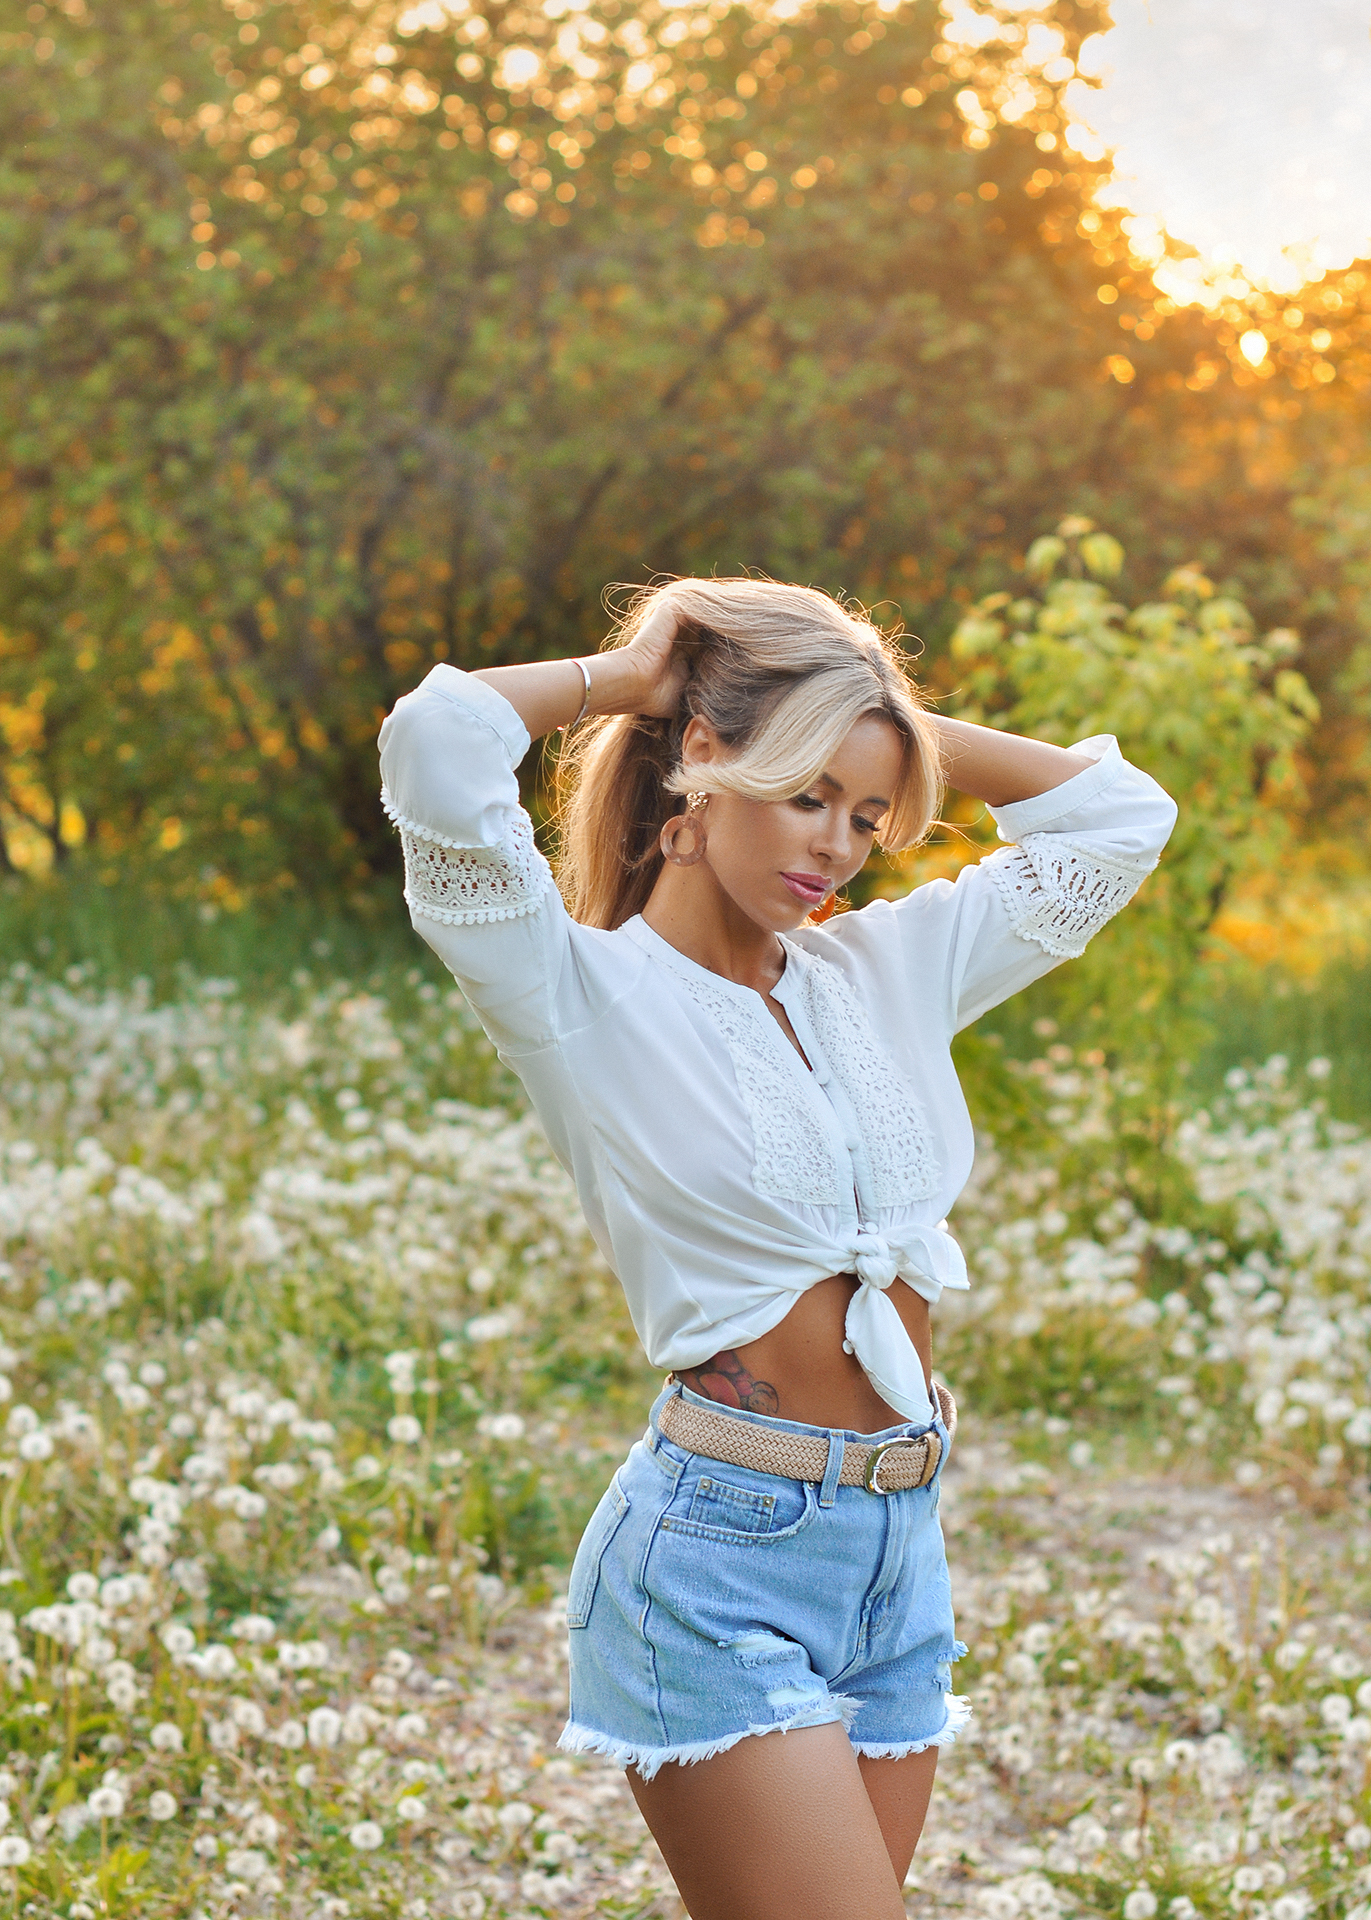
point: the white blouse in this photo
(720, 1176)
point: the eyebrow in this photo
(871, 800)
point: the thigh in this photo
(781, 1827)
(899, 1791)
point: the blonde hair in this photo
(781, 674)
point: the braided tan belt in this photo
(890, 1466)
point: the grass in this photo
(312, 1374)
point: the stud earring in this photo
(693, 822)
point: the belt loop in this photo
(829, 1488)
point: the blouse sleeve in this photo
(478, 890)
(1074, 857)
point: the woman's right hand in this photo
(658, 672)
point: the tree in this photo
(1214, 710)
(342, 339)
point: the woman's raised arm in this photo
(1002, 768)
(643, 677)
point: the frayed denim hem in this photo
(958, 1713)
(650, 1760)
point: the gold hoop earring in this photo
(693, 821)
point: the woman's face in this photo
(779, 860)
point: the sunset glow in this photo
(1242, 127)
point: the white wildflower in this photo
(162, 1805)
(366, 1836)
(325, 1726)
(502, 1426)
(166, 1737)
(106, 1803)
(246, 1864)
(255, 1627)
(247, 1715)
(15, 1851)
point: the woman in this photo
(759, 1110)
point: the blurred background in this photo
(341, 339)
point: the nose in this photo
(833, 842)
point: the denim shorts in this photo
(709, 1602)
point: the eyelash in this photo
(810, 804)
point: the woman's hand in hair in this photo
(646, 676)
(658, 669)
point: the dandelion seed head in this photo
(325, 1727)
(246, 1863)
(162, 1805)
(502, 1426)
(255, 1627)
(366, 1836)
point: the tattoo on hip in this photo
(724, 1378)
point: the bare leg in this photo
(781, 1827)
(899, 1791)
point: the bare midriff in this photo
(799, 1370)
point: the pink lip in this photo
(809, 887)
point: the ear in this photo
(700, 744)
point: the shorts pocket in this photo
(716, 1503)
(585, 1569)
(720, 1510)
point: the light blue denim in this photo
(709, 1602)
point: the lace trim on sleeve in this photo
(467, 886)
(1059, 892)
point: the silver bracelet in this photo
(585, 702)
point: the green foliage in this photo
(338, 341)
(1212, 709)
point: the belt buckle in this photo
(871, 1473)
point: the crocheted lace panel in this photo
(1058, 892)
(794, 1154)
(465, 886)
(894, 1128)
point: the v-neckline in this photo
(643, 935)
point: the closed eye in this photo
(814, 803)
